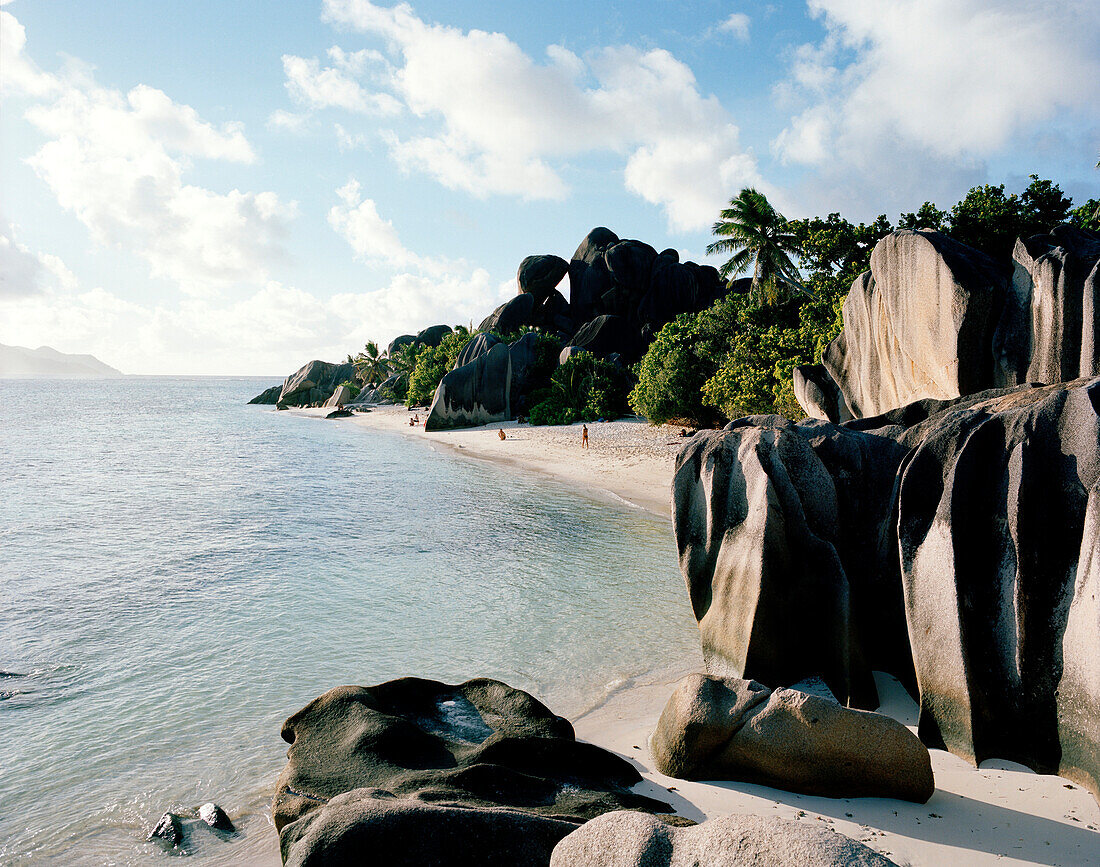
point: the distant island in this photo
(21, 362)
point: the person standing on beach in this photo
(584, 436)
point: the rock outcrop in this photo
(951, 543)
(419, 772)
(314, 383)
(476, 348)
(339, 397)
(783, 534)
(731, 729)
(631, 839)
(936, 319)
(269, 396)
(474, 394)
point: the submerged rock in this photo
(216, 817)
(629, 839)
(168, 830)
(417, 772)
(730, 729)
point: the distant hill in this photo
(46, 363)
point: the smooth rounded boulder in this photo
(416, 771)
(733, 729)
(476, 393)
(511, 315)
(540, 275)
(631, 839)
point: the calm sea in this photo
(179, 572)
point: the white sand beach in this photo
(1001, 813)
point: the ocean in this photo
(179, 572)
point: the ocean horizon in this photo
(182, 571)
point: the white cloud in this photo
(506, 122)
(24, 272)
(738, 25)
(336, 86)
(21, 75)
(118, 162)
(952, 78)
(349, 141)
(357, 221)
(288, 121)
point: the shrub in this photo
(585, 388)
(433, 363)
(353, 386)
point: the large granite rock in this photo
(631, 839)
(476, 348)
(314, 383)
(919, 324)
(524, 353)
(399, 343)
(475, 394)
(416, 772)
(341, 396)
(795, 540)
(269, 396)
(731, 729)
(433, 335)
(589, 278)
(818, 394)
(992, 505)
(783, 534)
(540, 275)
(936, 319)
(382, 393)
(1056, 301)
(607, 334)
(511, 315)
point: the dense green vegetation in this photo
(585, 388)
(432, 363)
(736, 358)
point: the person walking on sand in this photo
(584, 436)
(501, 434)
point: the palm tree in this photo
(756, 234)
(370, 364)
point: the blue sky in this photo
(239, 187)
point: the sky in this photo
(237, 188)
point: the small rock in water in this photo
(215, 817)
(168, 830)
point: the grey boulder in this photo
(475, 394)
(731, 729)
(420, 772)
(510, 316)
(168, 831)
(631, 839)
(540, 275)
(269, 396)
(476, 348)
(314, 383)
(216, 817)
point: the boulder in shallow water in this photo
(168, 831)
(731, 729)
(216, 817)
(630, 839)
(269, 396)
(474, 773)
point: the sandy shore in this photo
(1001, 813)
(630, 460)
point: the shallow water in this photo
(179, 572)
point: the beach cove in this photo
(999, 813)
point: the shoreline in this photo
(1000, 812)
(628, 460)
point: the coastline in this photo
(999, 813)
(629, 460)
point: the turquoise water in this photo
(179, 572)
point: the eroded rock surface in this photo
(796, 540)
(476, 393)
(732, 729)
(314, 383)
(630, 839)
(420, 772)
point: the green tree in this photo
(928, 216)
(433, 363)
(756, 234)
(585, 388)
(370, 364)
(833, 248)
